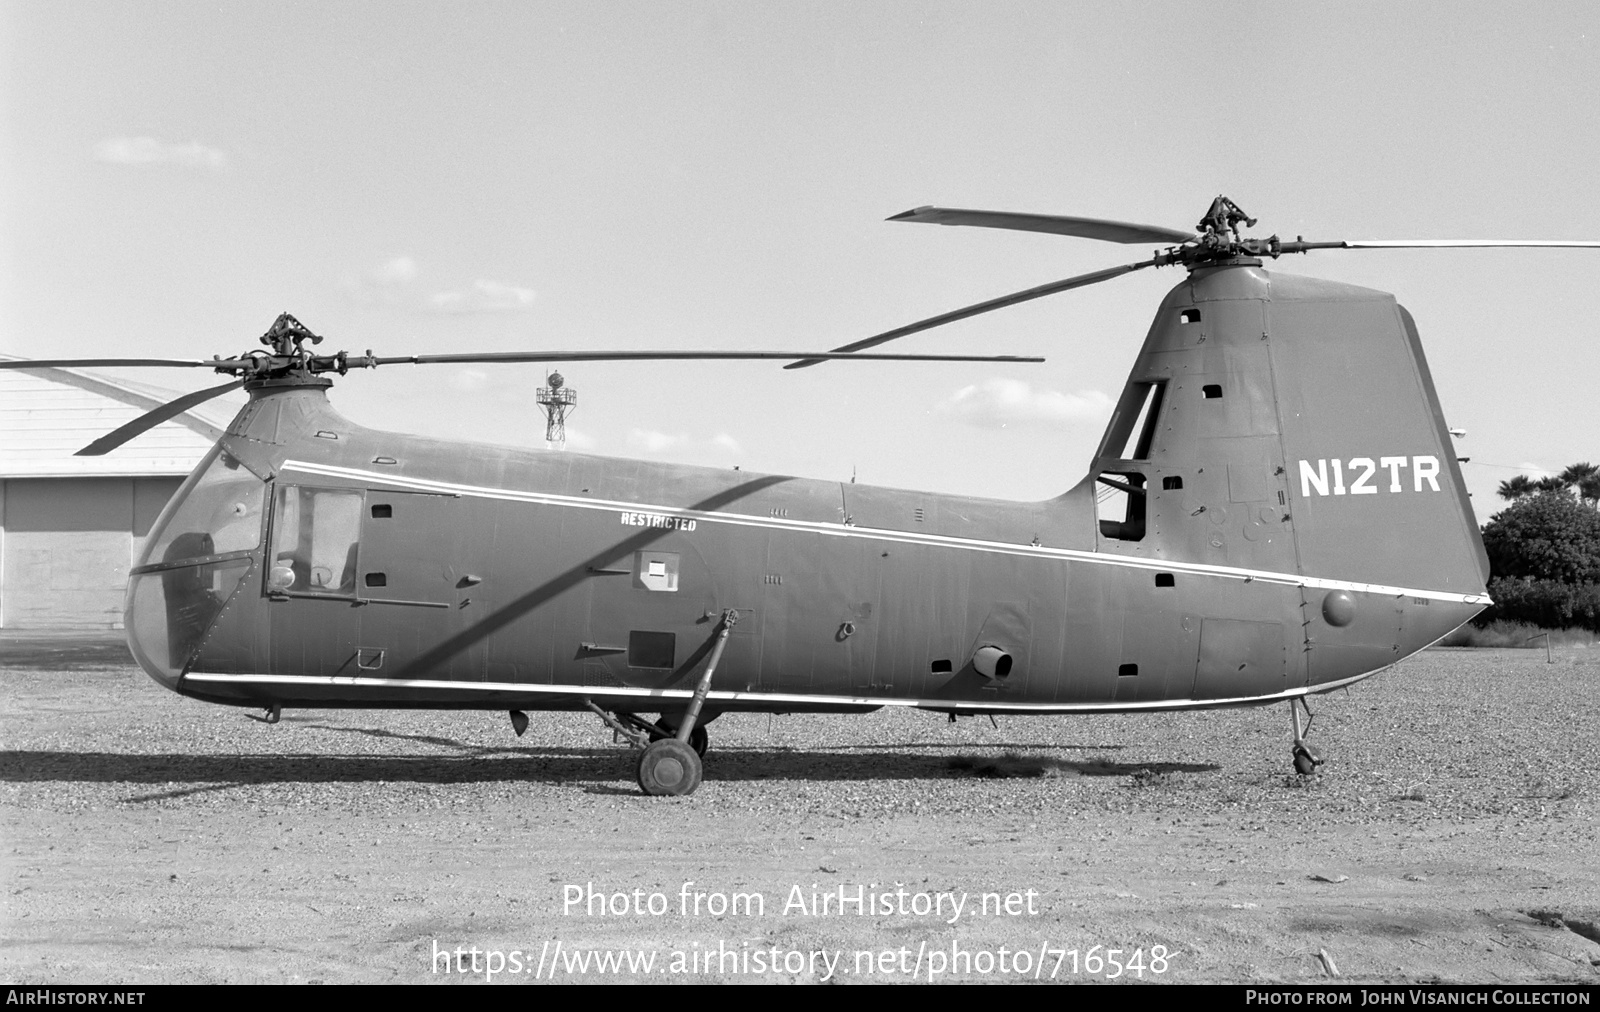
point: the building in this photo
(70, 527)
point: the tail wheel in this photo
(1305, 761)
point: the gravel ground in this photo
(1450, 836)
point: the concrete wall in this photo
(66, 545)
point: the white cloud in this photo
(483, 297)
(397, 271)
(996, 403)
(386, 283)
(580, 440)
(394, 283)
(469, 380)
(685, 448)
(149, 151)
(651, 441)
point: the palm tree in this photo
(1589, 490)
(1585, 477)
(1513, 489)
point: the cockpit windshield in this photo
(214, 514)
(196, 558)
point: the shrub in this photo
(1545, 538)
(1543, 603)
(1517, 634)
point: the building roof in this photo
(47, 415)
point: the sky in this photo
(421, 178)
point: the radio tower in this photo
(558, 400)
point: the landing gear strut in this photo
(1306, 759)
(698, 739)
(669, 762)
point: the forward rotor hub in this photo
(288, 359)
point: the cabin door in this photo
(413, 585)
(362, 582)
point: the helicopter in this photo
(1274, 511)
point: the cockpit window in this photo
(314, 537)
(214, 515)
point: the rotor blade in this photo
(1065, 284)
(1466, 243)
(663, 356)
(1084, 228)
(150, 419)
(1301, 246)
(86, 363)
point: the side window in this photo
(1120, 505)
(314, 541)
(1134, 423)
(655, 571)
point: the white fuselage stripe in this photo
(876, 534)
(769, 698)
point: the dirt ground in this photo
(1451, 836)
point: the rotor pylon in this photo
(557, 401)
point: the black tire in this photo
(669, 767)
(1304, 763)
(699, 740)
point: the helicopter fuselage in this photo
(1291, 519)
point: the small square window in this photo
(652, 649)
(1171, 482)
(656, 571)
(1165, 580)
(1127, 671)
(1212, 391)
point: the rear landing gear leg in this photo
(1306, 760)
(672, 765)
(274, 714)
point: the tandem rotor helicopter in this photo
(1275, 510)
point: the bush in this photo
(1543, 603)
(1550, 537)
(1516, 634)
(1544, 562)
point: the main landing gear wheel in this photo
(699, 740)
(669, 767)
